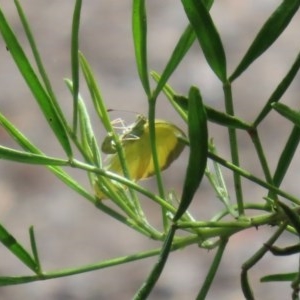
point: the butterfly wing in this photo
(137, 157)
(138, 154)
(137, 162)
(138, 151)
(169, 145)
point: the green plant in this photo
(179, 227)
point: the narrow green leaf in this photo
(280, 90)
(185, 42)
(198, 137)
(17, 135)
(286, 156)
(139, 30)
(75, 60)
(30, 158)
(95, 93)
(169, 92)
(292, 216)
(17, 249)
(34, 84)
(268, 34)
(207, 35)
(215, 116)
(147, 287)
(287, 112)
(88, 139)
(28, 146)
(39, 62)
(103, 113)
(180, 104)
(34, 250)
(279, 277)
(291, 146)
(208, 3)
(224, 119)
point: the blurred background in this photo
(70, 232)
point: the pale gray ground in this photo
(70, 231)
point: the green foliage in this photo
(180, 229)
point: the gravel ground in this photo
(71, 232)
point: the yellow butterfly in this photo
(135, 141)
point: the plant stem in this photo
(253, 178)
(263, 161)
(212, 271)
(234, 148)
(13, 280)
(159, 181)
(149, 284)
(254, 259)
